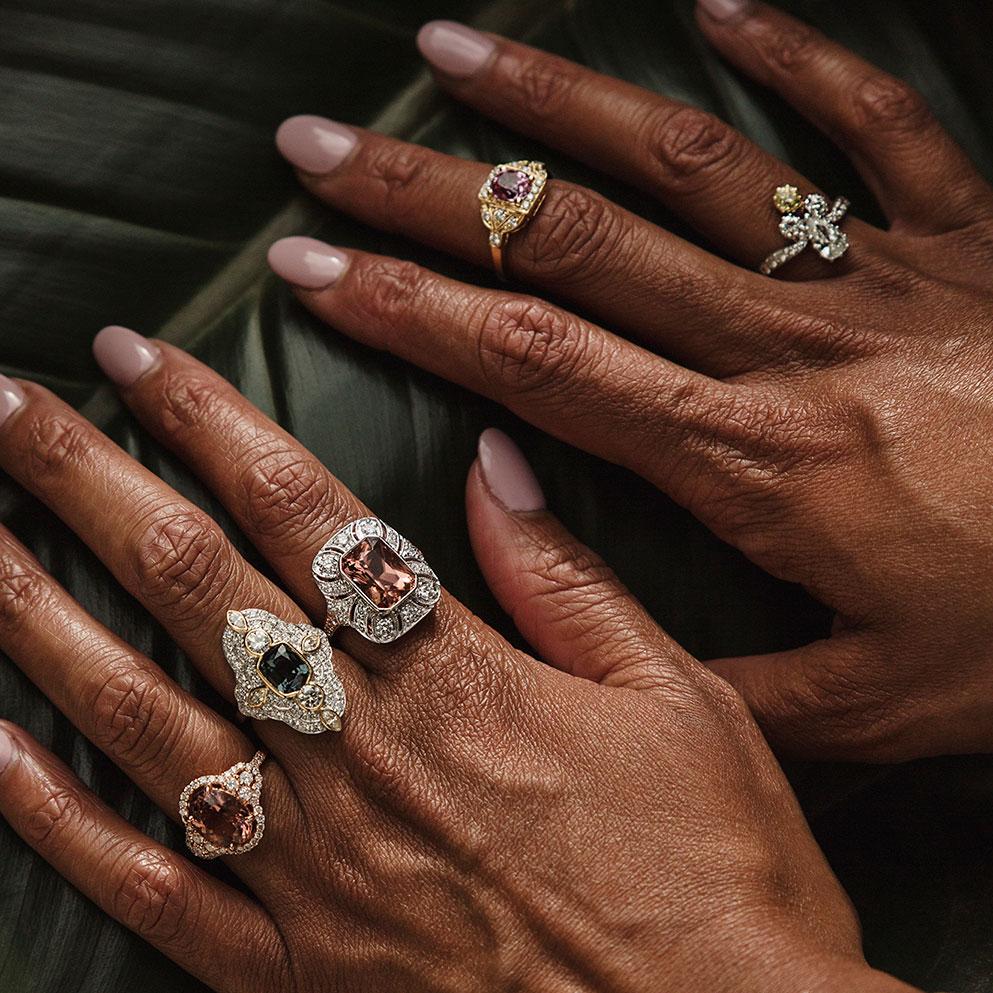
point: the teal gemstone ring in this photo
(283, 672)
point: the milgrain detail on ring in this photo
(374, 580)
(223, 813)
(283, 672)
(809, 220)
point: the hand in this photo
(482, 822)
(832, 426)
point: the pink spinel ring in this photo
(374, 581)
(223, 813)
(508, 199)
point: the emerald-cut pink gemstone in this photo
(511, 185)
(378, 572)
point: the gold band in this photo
(510, 197)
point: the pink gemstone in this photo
(511, 184)
(378, 572)
(223, 819)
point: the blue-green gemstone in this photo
(283, 670)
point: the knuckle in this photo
(52, 819)
(187, 401)
(288, 494)
(179, 558)
(153, 897)
(58, 443)
(575, 231)
(398, 175)
(135, 717)
(541, 84)
(528, 346)
(691, 146)
(886, 103)
(386, 289)
(790, 48)
(21, 593)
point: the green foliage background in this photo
(139, 185)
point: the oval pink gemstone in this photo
(223, 819)
(511, 184)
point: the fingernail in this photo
(124, 355)
(314, 144)
(8, 749)
(725, 10)
(307, 262)
(11, 398)
(453, 48)
(507, 474)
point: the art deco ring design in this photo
(223, 813)
(283, 672)
(809, 220)
(508, 199)
(374, 581)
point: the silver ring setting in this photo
(223, 813)
(374, 580)
(283, 672)
(811, 220)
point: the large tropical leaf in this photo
(138, 185)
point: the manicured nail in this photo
(11, 398)
(453, 48)
(307, 263)
(314, 144)
(507, 474)
(124, 355)
(8, 749)
(725, 10)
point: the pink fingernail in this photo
(307, 263)
(124, 355)
(507, 474)
(11, 398)
(453, 48)
(8, 748)
(314, 144)
(725, 10)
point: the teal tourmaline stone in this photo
(284, 670)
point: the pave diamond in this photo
(220, 817)
(283, 670)
(378, 572)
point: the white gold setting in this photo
(374, 580)
(809, 220)
(239, 791)
(283, 672)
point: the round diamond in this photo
(257, 640)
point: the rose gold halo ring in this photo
(374, 580)
(223, 813)
(510, 197)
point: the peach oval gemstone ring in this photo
(510, 197)
(374, 580)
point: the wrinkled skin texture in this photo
(613, 821)
(832, 423)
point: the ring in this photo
(509, 198)
(374, 581)
(283, 672)
(809, 220)
(223, 813)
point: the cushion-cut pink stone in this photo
(378, 572)
(511, 184)
(224, 819)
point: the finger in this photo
(165, 551)
(683, 431)
(922, 178)
(612, 264)
(279, 494)
(563, 598)
(205, 926)
(709, 173)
